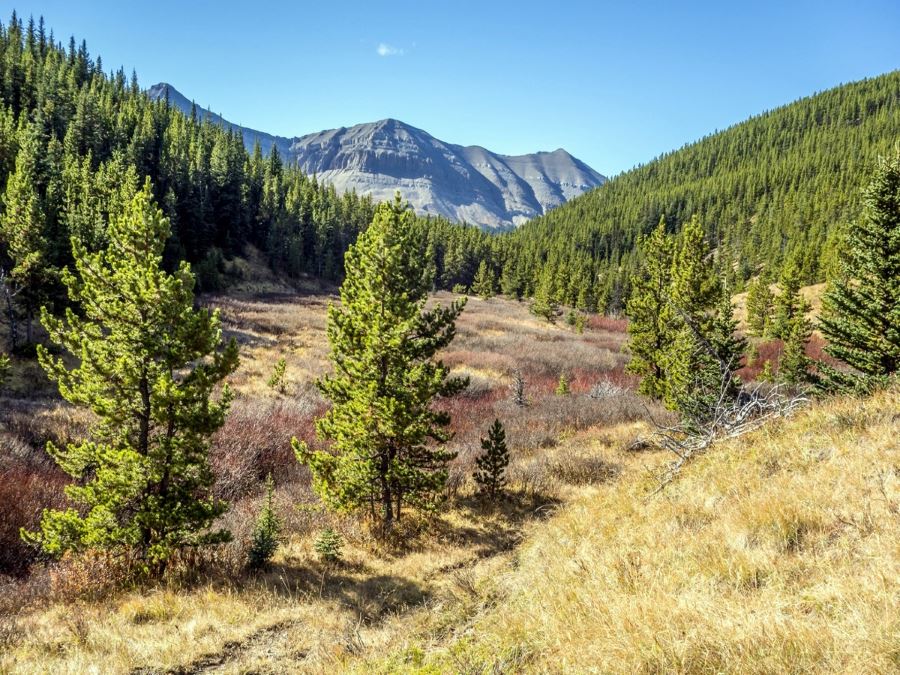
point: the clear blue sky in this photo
(615, 83)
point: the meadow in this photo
(773, 552)
(74, 615)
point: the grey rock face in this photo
(469, 184)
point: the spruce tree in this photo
(386, 439)
(795, 364)
(267, 532)
(484, 285)
(148, 365)
(648, 329)
(693, 371)
(23, 230)
(545, 304)
(490, 474)
(789, 303)
(861, 308)
(760, 307)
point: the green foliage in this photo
(329, 545)
(5, 367)
(545, 304)
(24, 228)
(485, 285)
(277, 379)
(648, 317)
(861, 309)
(460, 289)
(789, 304)
(490, 473)
(770, 190)
(267, 533)
(795, 364)
(387, 441)
(580, 323)
(728, 346)
(148, 365)
(760, 307)
(692, 369)
(562, 386)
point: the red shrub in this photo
(26, 489)
(256, 440)
(607, 323)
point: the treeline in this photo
(75, 145)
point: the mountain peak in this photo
(470, 184)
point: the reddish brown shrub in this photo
(256, 441)
(607, 323)
(25, 491)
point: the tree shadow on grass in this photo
(493, 528)
(350, 585)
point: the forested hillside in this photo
(775, 187)
(76, 142)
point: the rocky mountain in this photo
(463, 183)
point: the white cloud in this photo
(384, 49)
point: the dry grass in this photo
(301, 611)
(778, 552)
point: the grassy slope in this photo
(777, 552)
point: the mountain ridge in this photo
(462, 183)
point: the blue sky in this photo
(614, 83)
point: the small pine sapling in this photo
(562, 387)
(518, 389)
(277, 379)
(329, 545)
(490, 474)
(267, 533)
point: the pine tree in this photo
(276, 380)
(861, 309)
(788, 303)
(562, 386)
(511, 281)
(760, 307)
(328, 545)
(490, 474)
(148, 366)
(267, 533)
(693, 371)
(545, 304)
(23, 228)
(729, 347)
(484, 285)
(383, 344)
(795, 364)
(648, 327)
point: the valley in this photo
(367, 401)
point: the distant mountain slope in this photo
(772, 189)
(469, 184)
